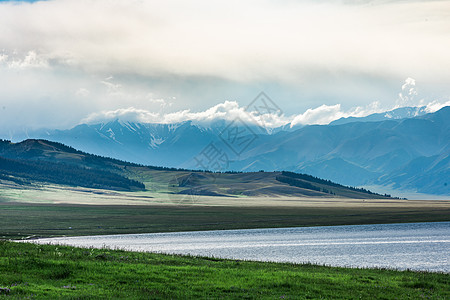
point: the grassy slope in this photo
(155, 179)
(51, 272)
(240, 184)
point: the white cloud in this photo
(82, 92)
(234, 39)
(158, 101)
(130, 114)
(113, 88)
(409, 97)
(228, 110)
(29, 60)
(436, 105)
(3, 58)
(325, 114)
(408, 94)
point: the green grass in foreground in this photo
(55, 272)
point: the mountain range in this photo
(404, 149)
(395, 114)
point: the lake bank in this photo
(20, 220)
(405, 246)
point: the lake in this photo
(416, 246)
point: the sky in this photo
(63, 62)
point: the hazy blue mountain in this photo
(172, 145)
(398, 113)
(407, 153)
(152, 144)
(402, 152)
(427, 174)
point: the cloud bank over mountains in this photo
(230, 110)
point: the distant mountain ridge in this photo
(404, 149)
(398, 113)
(362, 153)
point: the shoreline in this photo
(198, 243)
(235, 259)
(213, 230)
(49, 271)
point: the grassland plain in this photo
(61, 272)
(22, 220)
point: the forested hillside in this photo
(33, 162)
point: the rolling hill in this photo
(41, 161)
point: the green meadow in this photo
(30, 271)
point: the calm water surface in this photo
(417, 246)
